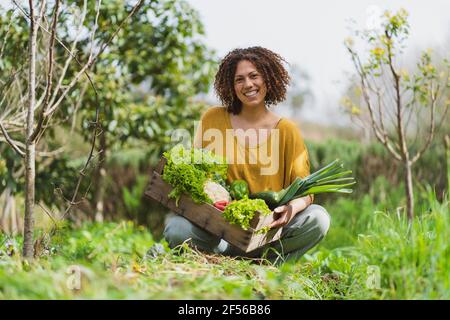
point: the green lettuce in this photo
(241, 212)
(187, 170)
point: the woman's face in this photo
(249, 84)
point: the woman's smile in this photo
(252, 93)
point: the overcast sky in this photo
(311, 34)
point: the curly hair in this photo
(267, 62)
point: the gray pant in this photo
(302, 233)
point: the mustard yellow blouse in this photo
(271, 165)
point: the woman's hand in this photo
(284, 214)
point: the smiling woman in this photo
(255, 66)
(263, 149)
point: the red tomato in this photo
(219, 205)
(221, 202)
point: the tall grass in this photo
(370, 252)
(414, 258)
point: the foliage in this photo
(156, 65)
(132, 198)
(58, 173)
(372, 162)
(146, 83)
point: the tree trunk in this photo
(409, 191)
(29, 200)
(99, 178)
(30, 147)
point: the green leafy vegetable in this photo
(263, 230)
(187, 170)
(241, 212)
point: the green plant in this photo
(132, 198)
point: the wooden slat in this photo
(259, 240)
(159, 168)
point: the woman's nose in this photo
(248, 83)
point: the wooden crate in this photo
(210, 218)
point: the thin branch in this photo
(77, 106)
(433, 97)
(88, 160)
(13, 126)
(43, 154)
(12, 143)
(50, 154)
(47, 212)
(54, 105)
(388, 96)
(384, 139)
(5, 94)
(92, 60)
(71, 51)
(94, 30)
(400, 131)
(97, 115)
(71, 54)
(51, 62)
(410, 112)
(381, 114)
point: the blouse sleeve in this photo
(200, 129)
(300, 160)
(300, 157)
(208, 119)
(198, 138)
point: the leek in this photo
(331, 178)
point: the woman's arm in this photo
(285, 213)
(300, 204)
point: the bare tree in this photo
(398, 103)
(53, 94)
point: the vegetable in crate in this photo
(241, 212)
(328, 179)
(221, 205)
(196, 172)
(239, 189)
(216, 192)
